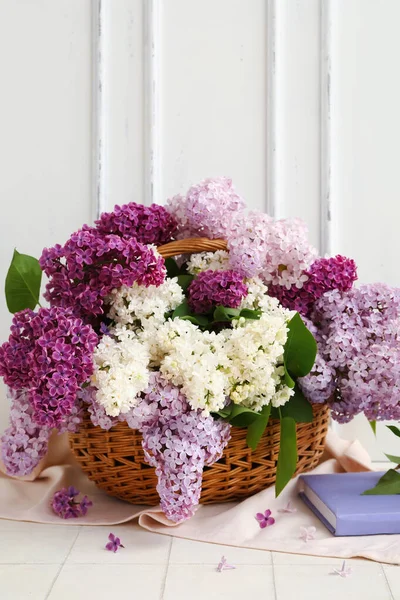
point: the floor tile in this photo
(141, 547)
(316, 582)
(189, 552)
(393, 576)
(88, 582)
(283, 558)
(26, 582)
(200, 582)
(35, 543)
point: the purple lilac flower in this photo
(178, 442)
(264, 519)
(325, 274)
(319, 385)
(90, 265)
(210, 209)
(114, 543)
(147, 224)
(216, 288)
(359, 347)
(45, 357)
(65, 503)
(24, 443)
(97, 412)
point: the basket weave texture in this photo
(115, 461)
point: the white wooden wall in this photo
(107, 101)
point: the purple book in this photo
(337, 501)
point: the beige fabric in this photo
(231, 524)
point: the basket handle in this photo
(191, 246)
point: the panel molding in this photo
(152, 102)
(98, 109)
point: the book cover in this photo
(336, 499)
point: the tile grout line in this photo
(387, 581)
(273, 575)
(164, 582)
(63, 563)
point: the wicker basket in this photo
(114, 459)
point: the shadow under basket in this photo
(114, 460)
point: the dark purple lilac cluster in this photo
(325, 274)
(216, 288)
(91, 264)
(147, 224)
(50, 355)
(65, 503)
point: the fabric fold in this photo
(231, 524)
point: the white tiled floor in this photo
(40, 562)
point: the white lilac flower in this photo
(121, 371)
(208, 261)
(193, 360)
(255, 370)
(134, 305)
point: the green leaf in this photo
(247, 313)
(257, 427)
(388, 485)
(223, 314)
(298, 408)
(172, 267)
(394, 429)
(200, 320)
(182, 310)
(372, 424)
(393, 458)
(287, 459)
(184, 281)
(224, 413)
(300, 348)
(288, 380)
(23, 281)
(242, 417)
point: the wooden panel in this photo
(45, 144)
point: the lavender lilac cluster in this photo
(178, 441)
(24, 443)
(50, 355)
(84, 271)
(65, 503)
(216, 288)
(359, 352)
(325, 274)
(147, 224)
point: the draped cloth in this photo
(232, 524)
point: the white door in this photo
(107, 101)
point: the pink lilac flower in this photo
(216, 288)
(147, 224)
(224, 566)
(289, 508)
(114, 543)
(178, 442)
(209, 209)
(264, 519)
(343, 571)
(325, 274)
(65, 503)
(84, 271)
(307, 533)
(49, 354)
(277, 251)
(97, 412)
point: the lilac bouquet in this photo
(184, 350)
